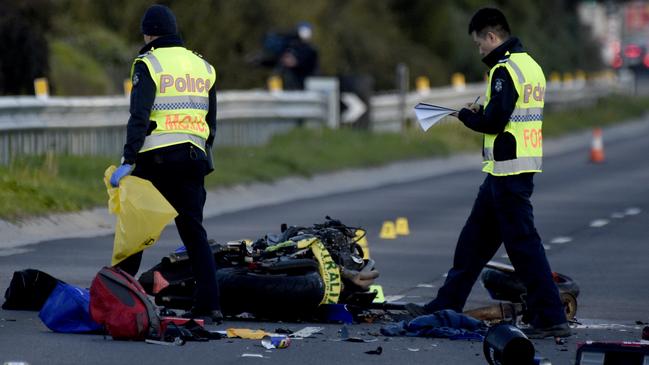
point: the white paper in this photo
(428, 115)
(306, 332)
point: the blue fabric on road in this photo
(67, 310)
(443, 324)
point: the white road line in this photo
(604, 324)
(561, 240)
(14, 251)
(393, 298)
(599, 223)
(425, 286)
(633, 211)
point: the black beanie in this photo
(159, 20)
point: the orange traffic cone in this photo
(597, 147)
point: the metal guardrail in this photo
(96, 125)
(386, 115)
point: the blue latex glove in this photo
(121, 171)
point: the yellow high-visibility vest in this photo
(183, 81)
(525, 123)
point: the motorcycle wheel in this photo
(507, 286)
(269, 295)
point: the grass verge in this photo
(46, 184)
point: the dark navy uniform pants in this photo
(502, 213)
(179, 176)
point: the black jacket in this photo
(139, 125)
(307, 64)
(494, 118)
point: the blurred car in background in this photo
(631, 54)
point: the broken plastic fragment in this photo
(378, 351)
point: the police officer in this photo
(169, 138)
(511, 122)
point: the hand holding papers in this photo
(428, 115)
(474, 107)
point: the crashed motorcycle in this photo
(503, 284)
(280, 276)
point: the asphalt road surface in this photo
(592, 217)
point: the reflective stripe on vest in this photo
(181, 103)
(525, 122)
(520, 164)
(526, 115)
(154, 63)
(169, 139)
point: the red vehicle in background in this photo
(633, 50)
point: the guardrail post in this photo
(568, 80)
(423, 85)
(128, 86)
(403, 78)
(275, 83)
(458, 81)
(329, 86)
(41, 88)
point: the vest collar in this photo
(511, 45)
(172, 40)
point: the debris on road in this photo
(443, 324)
(343, 333)
(306, 332)
(283, 331)
(624, 352)
(246, 333)
(176, 342)
(337, 313)
(377, 351)
(28, 290)
(276, 342)
(506, 344)
(252, 355)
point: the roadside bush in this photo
(74, 72)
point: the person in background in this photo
(511, 121)
(299, 59)
(169, 138)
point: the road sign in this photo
(355, 107)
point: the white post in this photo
(330, 88)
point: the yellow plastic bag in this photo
(246, 333)
(142, 213)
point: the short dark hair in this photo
(489, 20)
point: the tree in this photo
(23, 46)
(353, 37)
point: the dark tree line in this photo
(86, 46)
(23, 46)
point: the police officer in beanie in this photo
(511, 121)
(169, 138)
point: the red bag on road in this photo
(118, 302)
